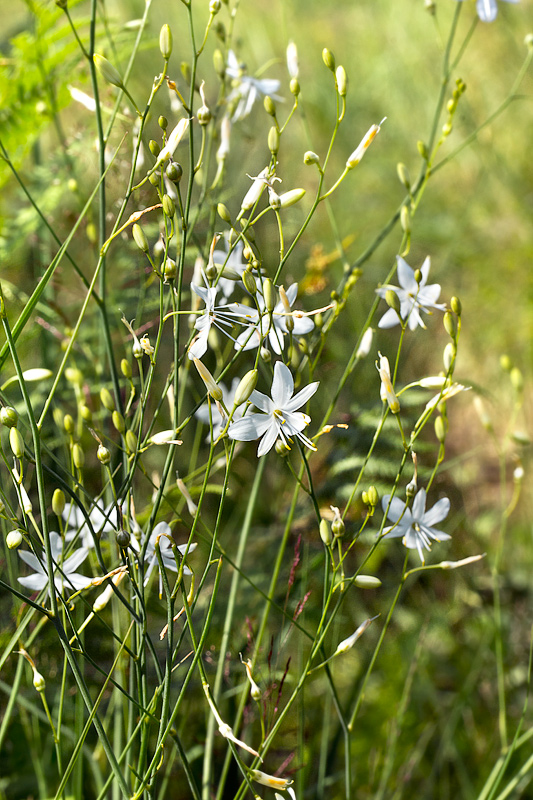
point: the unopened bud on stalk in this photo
(403, 175)
(325, 532)
(273, 140)
(78, 456)
(9, 417)
(249, 281)
(58, 502)
(155, 147)
(162, 122)
(392, 300)
(165, 42)
(422, 149)
(281, 448)
(107, 70)
(450, 352)
(140, 239)
(329, 59)
(211, 385)
(294, 86)
(450, 324)
(291, 197)
(219, 63)
(266, 356)
(364, 144)
(367, 582)
(131, 442)
(14, 539)
(405, 219)
(86, 414)
(170, 270)
(366, 343)
(223, 212)
(246, 387)
(103, 455)
(441, 429)
(373, 496)
(107, 399)
(342, 81)
(168, 206)
(69, 424)
(269, 105)
(311, 158)
(16, 443)
(214, 7)
(118, 421)
(387, 392)
(482, 413)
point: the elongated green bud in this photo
(456, 306)
(367, 582)
(223, 212)
(269, 295)
(139, 238)
(210, 384)
(165, 42)
(329, 59)
(69, 424)
(291, 197)
(168, 206)
(78, 456)
(107, 71)
(403, 175)
(16, 443)
(246, 387)
(325, 532)
(125, 368)
(294, 86)
(118, 421)
(273, 140)
(441, 429)
(131, 442)
(392, 300)
(270, 106)
(342, 81)
(249, 281)
(107, 399)
(450, 324)
(58, 502)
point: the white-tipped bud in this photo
(348, 643)
(311, 158)
(107, 70)
(363, 146)
(246, 387)
(386, 391)
(225, 131)
(14, 539)
(325, 532)
(366, 343)
(254, 192)
(290, 198)
(211, 385)
(450, 351)
(292, 60)
(367, 582)
(16, 443)
(165, 42)
(342, 80)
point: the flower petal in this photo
(439, 512)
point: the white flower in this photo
(281, 417)
(162, 534)
(487, 10)
(276, 327)
(416, 525)
(247, 89)
(64, 575)
(222, 317)
(414, 297)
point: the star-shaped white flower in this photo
(487, 10)
(65, 577)
(414, 297)
(223, 317)
(416, 525)
(247, 89)
(280, 418)
(162, 534)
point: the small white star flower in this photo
(162, 534)
(65, 577)
(416, 525)
(414, 297)
(247, 89)
(280, 418)
(223, 317)
(487, 10)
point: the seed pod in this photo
(123, 539)
(9, 417)
(174, 172)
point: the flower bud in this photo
(392, 300)
(329, 59)
(311, 158)
(125, 368)
(140, 239)
(266, 356)
(16, 442)
(123, 539)
(214, 7)
(39, 681)
(155, 147)
(422, 149)
(342, 81)
(168, 206)
(69, 424)
(441, 429)
(223, 213)
(255, 691)
(294, 86)
(131, 442)
(291, 197)
(373, 496)
(58, 502)
(456, 306)
(9, 417)
(118, 421)
(246, 387)
(273, 140)
(58, 417)
(14, 539)
(448, 357)
(210, 384)
(107, 399)
(165, 42)
(170, 270)
(274, 199)
(325, 532)
(103, 455)
(450, 324)
(269, 105)
(403, 175)
(162, 122)
(281, 448)
(367, 582)
(107, 70)
(249, 281)
(78, 456)
(405, 219)
(86, 414)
